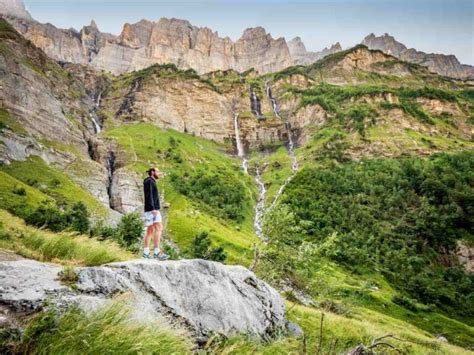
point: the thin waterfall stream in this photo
(238, 142)
(110, 175)
(260, 205)
(93, 113)
(291, 144)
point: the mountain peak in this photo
(93, 24)
(254, 32)
(14, 8)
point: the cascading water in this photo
(291, 144)
(268, 91)
(110, 175)
(238, 141)
(260, 206)
(255, 105)
(93, 113)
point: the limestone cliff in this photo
(146, 42)
(447, 65)
(300, 55)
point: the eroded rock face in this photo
(300, 55)
(144, 43)
(15, 8)
(447, 65)
(465, 254)
(207, 297)
(126, 191)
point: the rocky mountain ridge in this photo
(447, 65)
(171, 40)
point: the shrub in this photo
(48, 215)
(405, 302)
(396, 215)
(129, 231)
(78, 218)
(20, 191)
(222, 195)
(201, 248)
(102, 231)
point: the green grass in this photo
(107, 331)
(177, 153)
(9, 199)
(8, 122)
(339, 335)
(50, 181)
(64, 248)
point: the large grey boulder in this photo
(204, 296)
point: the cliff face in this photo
(146, 42)
(165, 41)
(447, 65)
(15, 8)
(300, 55)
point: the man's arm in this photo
(149, 193)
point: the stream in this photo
(93, 113)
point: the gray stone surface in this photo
(204, 296)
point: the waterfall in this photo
(238, 140)
(110, 175)
(291, 144)
(268, 91)
(255, 105)
(93, 113)
(260, 206)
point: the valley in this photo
(343, 180)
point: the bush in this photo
(222, 195)
(78, 218)
(201, 248)
(396, 215)
(405, 302)
(103, 231)
(129, 231)
(20, 191)
(48, 215)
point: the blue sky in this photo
(440, 26)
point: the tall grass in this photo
(66, 248)
(110, 330)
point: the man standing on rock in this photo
(153, 223)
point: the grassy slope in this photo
(9, 197)
(141, 143)
(49, 181)
(65, 248)
(340, 334)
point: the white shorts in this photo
(150, 218)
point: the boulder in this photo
(204, 296)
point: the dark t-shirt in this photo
(152, 197)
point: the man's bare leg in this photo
(150, 231)
(157, 235)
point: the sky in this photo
(433, 26)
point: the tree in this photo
(78, 218)
(130, 231)
(201, 248)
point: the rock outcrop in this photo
(204, 296)
(15, 8)
(447, 65)
(300, 55)
(144, 43)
